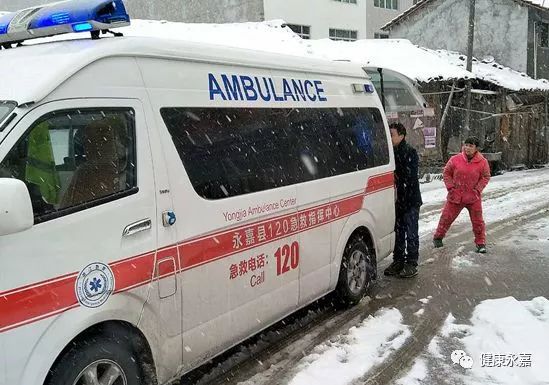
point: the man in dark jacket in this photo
(406, 252)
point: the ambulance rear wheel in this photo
(357, 272)
(98, 361)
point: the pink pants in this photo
(451, 212)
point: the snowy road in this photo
(492, 307)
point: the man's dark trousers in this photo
(407, 237)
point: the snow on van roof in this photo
(400, 55)
(39, 66)
(272, 37)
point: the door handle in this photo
(137, 227)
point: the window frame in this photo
(337, 31)
(300, 33)
(387, 4)
(381, 35)
(542, 37)
(41, 117)
(209, 188)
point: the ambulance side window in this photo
(234, 151)
(71, 160)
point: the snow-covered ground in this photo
(353, 354)
(503, 342)
(505, 196)
(533, 236)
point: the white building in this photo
(315, 19)
(337, 19)
(379, 12)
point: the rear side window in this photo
(233, 151)
(74, 159)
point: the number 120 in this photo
(287, 258)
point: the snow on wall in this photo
(415, 62)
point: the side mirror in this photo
(16, 213)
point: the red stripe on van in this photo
(45, 299)
(240, 239)
(41, 300)
(380, 182)
(133, 272)
(34, 302)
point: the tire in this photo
(100, 356)
(357, 272)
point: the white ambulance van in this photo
(162, 201)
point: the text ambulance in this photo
(162, 201)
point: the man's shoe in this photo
(408, 271)
(437, 242)
(481, 249)
(394, 268)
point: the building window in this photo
(302, 30)
(343, 34)
(388, 4)
(381, 35)
(543, 34)
(347, 1)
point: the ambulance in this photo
(161, 201)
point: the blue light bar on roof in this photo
(5, 22)
(82, 27)
(62, 17)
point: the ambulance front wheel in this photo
(357, 272)
(98, 360)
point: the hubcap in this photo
(102, 372)
(356, 271)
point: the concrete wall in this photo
(14, 5)
(198, 11)
(500, 31)
(320, 15)
(378, 17)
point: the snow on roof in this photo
(38, 67)
(267, 36)
(489, 70)
(417, 63)
(538, 3)
(398, 55)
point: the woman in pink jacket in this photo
(465, 176)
